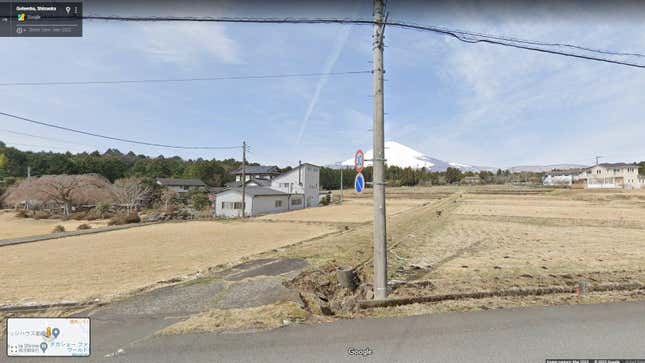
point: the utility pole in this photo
(28, 172)
(380, 247)
(243, 178)
(598, 157)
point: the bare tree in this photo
(130, 191)
(64, 190)
(167, 196)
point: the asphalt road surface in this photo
(513, 335)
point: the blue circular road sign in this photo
(359, 182)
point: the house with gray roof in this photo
(257, 172)
(258, 182)
(181, 186)
(259, 200)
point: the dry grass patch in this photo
(351, 211)
(258, 318)
(551, 209)
(112, 263)
(505, 255)
(14, 227)
(531, 241)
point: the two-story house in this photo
(269, 192)
(612, 175)
(303, 179)
(257, 172)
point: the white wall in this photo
(558, 180)
(310, 179)
(232, 196)
(609, 177)
(264, 204)
(260, 204)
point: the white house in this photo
(259, 200)
(303, 179)
(257, 172)
(267, 192)
(613, 175)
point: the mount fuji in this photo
(405, 157)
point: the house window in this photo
(296, 202)
(231, 205)
(598, 171)
(284, 185)
(278, 203)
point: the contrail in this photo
(343, 35)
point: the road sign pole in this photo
(341, 183)
(380, 247)
(243, 178)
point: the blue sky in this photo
(476, 104)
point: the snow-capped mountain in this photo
(402, 156)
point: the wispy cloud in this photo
(187, 43)
(332, 59)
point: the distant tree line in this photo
(113, 165)
(397, 176)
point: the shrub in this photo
(41, 215)
(102, 208)
(132, 218)
(120, 219)
(58, 229)
(22, 214)
(83, 226)
(78, 216)
(326, 200)
(199, 201)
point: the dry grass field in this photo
(496, 238)
(352, 210)
(468, 238)
(112, 263)
(493, 242)
(14, 227)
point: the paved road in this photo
(515, 335)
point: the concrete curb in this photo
(45, 237)
(365, 304)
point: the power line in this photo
(457, 34)
(204, 79)
(44, 138)
(532, 42)
(118, 138)
(44, 147)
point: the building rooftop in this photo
(565, 172)
(253, 191)
(259, 181)
(618, 165)
(258, 169)
(181, 182)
